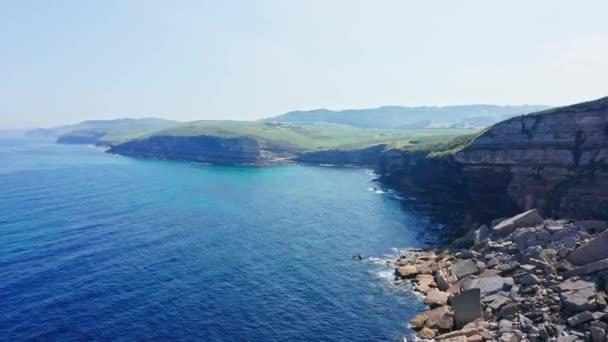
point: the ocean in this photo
(95, 246)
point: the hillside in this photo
(241, 142)
(411, 117)
(104, 132)
(310, 136)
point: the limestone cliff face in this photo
(204, 149)
(369, 156)
(555, 161)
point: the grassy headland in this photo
(312, 137)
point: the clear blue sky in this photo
(66, 61)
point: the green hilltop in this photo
(311, 137)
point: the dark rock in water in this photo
(467, 307)
(592, 251)
(529, 218)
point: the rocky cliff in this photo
(205, 149)
(553, 160)
(369, 156)
(92, 137)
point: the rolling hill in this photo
(411, 117)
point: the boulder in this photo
(530, 237)
(588, 269)
(466, 241)
(578, 295)
(569, 237)
(598, 334)
(422, 288)
(592, 251)
(499, 302)
(441, 318)
(442, 280)
(490, 285)
(425, 279)
(467, 307)
(580, 318)
(457, 333)
(427, 333)
(481, 234)
(529, 218)
(418, 321)
(475, 338)
(436, 297)
(525, 324)
(426, 267)
(455, 339)
(509, 311)
(528, 279)
(510, 337)
(464, 268)
(406, 271)
(592, 226)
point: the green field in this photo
(311, 137)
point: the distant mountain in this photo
(105, 132)
(412, 117)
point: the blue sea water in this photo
(95, 246)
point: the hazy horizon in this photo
(66, 62)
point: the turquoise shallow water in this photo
(95, 246)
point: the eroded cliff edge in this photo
(205, 149)
(553, 160)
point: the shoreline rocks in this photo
(516, 283)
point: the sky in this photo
(66, 61)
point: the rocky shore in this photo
(522, 279)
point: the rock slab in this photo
(529, 218)
(467, 307)
(592, 251)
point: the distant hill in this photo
(103, 131)
(412, 117)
